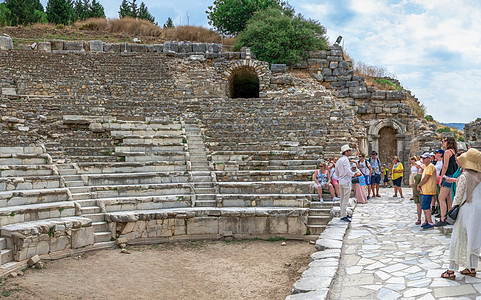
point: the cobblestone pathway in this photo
(386, 256)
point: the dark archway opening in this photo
(244, 83)
(387, 144)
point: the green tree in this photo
(59, 11)
(169, 23)
(277, 36)
(124, 10)
(96, 10)
(230, 16)
(24, 12)
(143, 13)
(5, 15)
(134, 10)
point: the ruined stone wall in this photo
(145, 82)
(472, 134)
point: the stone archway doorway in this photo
(387, 144)
(388, 138)
(244, 83)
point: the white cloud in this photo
(431, 45)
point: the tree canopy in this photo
(130, 9)
(24, 12)
(169, 23)
(278, 37)
(230, 16)
(59, 11)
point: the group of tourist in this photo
(368, 172)
(440, 181)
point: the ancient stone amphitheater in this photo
(178, 141)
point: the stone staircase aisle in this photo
(319, 215)
(201, 168)
(89, 208)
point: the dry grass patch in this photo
(190, 33)
(133, 26)
(93, 24)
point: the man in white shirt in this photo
(343, 171)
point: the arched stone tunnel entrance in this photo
(387, 144)
(387, 138)
(244, 83)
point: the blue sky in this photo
(432, 46)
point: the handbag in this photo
(355, 180)
(452, 215)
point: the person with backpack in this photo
(375, 174)
(366, 170)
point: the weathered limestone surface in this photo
(6, 43)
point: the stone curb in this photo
(317, 279)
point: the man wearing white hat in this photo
(343, 171)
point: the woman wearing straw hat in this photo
(466, 237)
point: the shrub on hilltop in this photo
(230, 16)
(279, 37)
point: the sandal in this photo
(448, 275)
(468, 272)
(418, 223)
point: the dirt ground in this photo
(191, 270)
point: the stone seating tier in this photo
(111, 191)
(191, 223)
(32, 196)
(279, 175)
(131, 167)
(266, 200)
(34, 212)
(120, 204)
(134, 178)
(24, 159)
(30, 182)
(26, 170)
(267, 165)
(269, 187)
(32, 238)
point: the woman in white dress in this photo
(466, 237)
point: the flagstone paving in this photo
(386, 256)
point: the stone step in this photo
(100, 226)
(100, 237)
(81, 196)
(316, 229)
(200, 168)
(202, 178)
(98, 217)
(203, 185)
(325, 204)
(3, 243)
(319, 211)
(204, 191)
(79, 189)
(90, 210)
(74, 183)
(201, 173)
(205, 203)
(202, 197)
(68, 172)
(318, 220)
(6, 255)
(199, 160)
(87, 202)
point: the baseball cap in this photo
(426, 155)
(440, 151)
